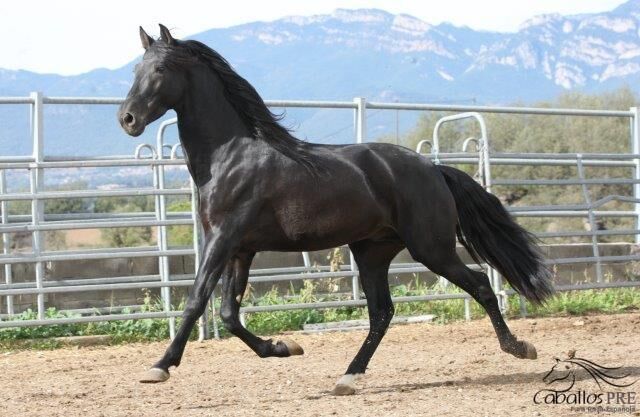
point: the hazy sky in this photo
(73, 36)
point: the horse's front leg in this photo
(234, 284)
(218, 249)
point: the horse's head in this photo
(561, 371)
(158, 86)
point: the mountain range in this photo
(365, 52)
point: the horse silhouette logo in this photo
(564, 372)
(562, 378)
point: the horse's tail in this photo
(489, 233)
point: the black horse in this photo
(262, 189)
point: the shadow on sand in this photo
(489, 380)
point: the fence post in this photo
(6, 241)
(484, 162)
(306, 260)
(161, 211)
(361, 119)
(591, 218)
(361, 133)
(523, 307)
(635, 148)
(355, 282)
(161, 215)
(37, 186)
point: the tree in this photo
(180, 235)
(126, 236)
(68, 205)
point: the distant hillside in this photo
(368, 53)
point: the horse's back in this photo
(411, 185)
(397, 171)
(363, 191)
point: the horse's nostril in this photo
(128, 119)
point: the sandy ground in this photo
(420, 369)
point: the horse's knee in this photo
(225, 314)
(483, 288)
(485, 292)
(196, 304)
(230, 319)
(191, 311)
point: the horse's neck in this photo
(207, 123)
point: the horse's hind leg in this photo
(449, 265)
(234, 284)
(373, 259)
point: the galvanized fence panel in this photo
(156, 159)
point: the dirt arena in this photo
(420, 369)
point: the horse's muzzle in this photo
(130, 123)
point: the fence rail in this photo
(154, 157)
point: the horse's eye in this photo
(566, 367)
(160, 69)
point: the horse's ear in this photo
(147, 40)
(165, 35)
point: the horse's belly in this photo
(327, 227)
(304, 227)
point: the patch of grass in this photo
(444, 310)
(278, 321)
(119, 331)
(611, 300)
(41, 337)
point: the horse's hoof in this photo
(154, 375)
(341, 389)
(293, 347)
(529, 350)
(346, 385)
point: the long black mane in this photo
(246, 101)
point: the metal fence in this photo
(158, 156)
